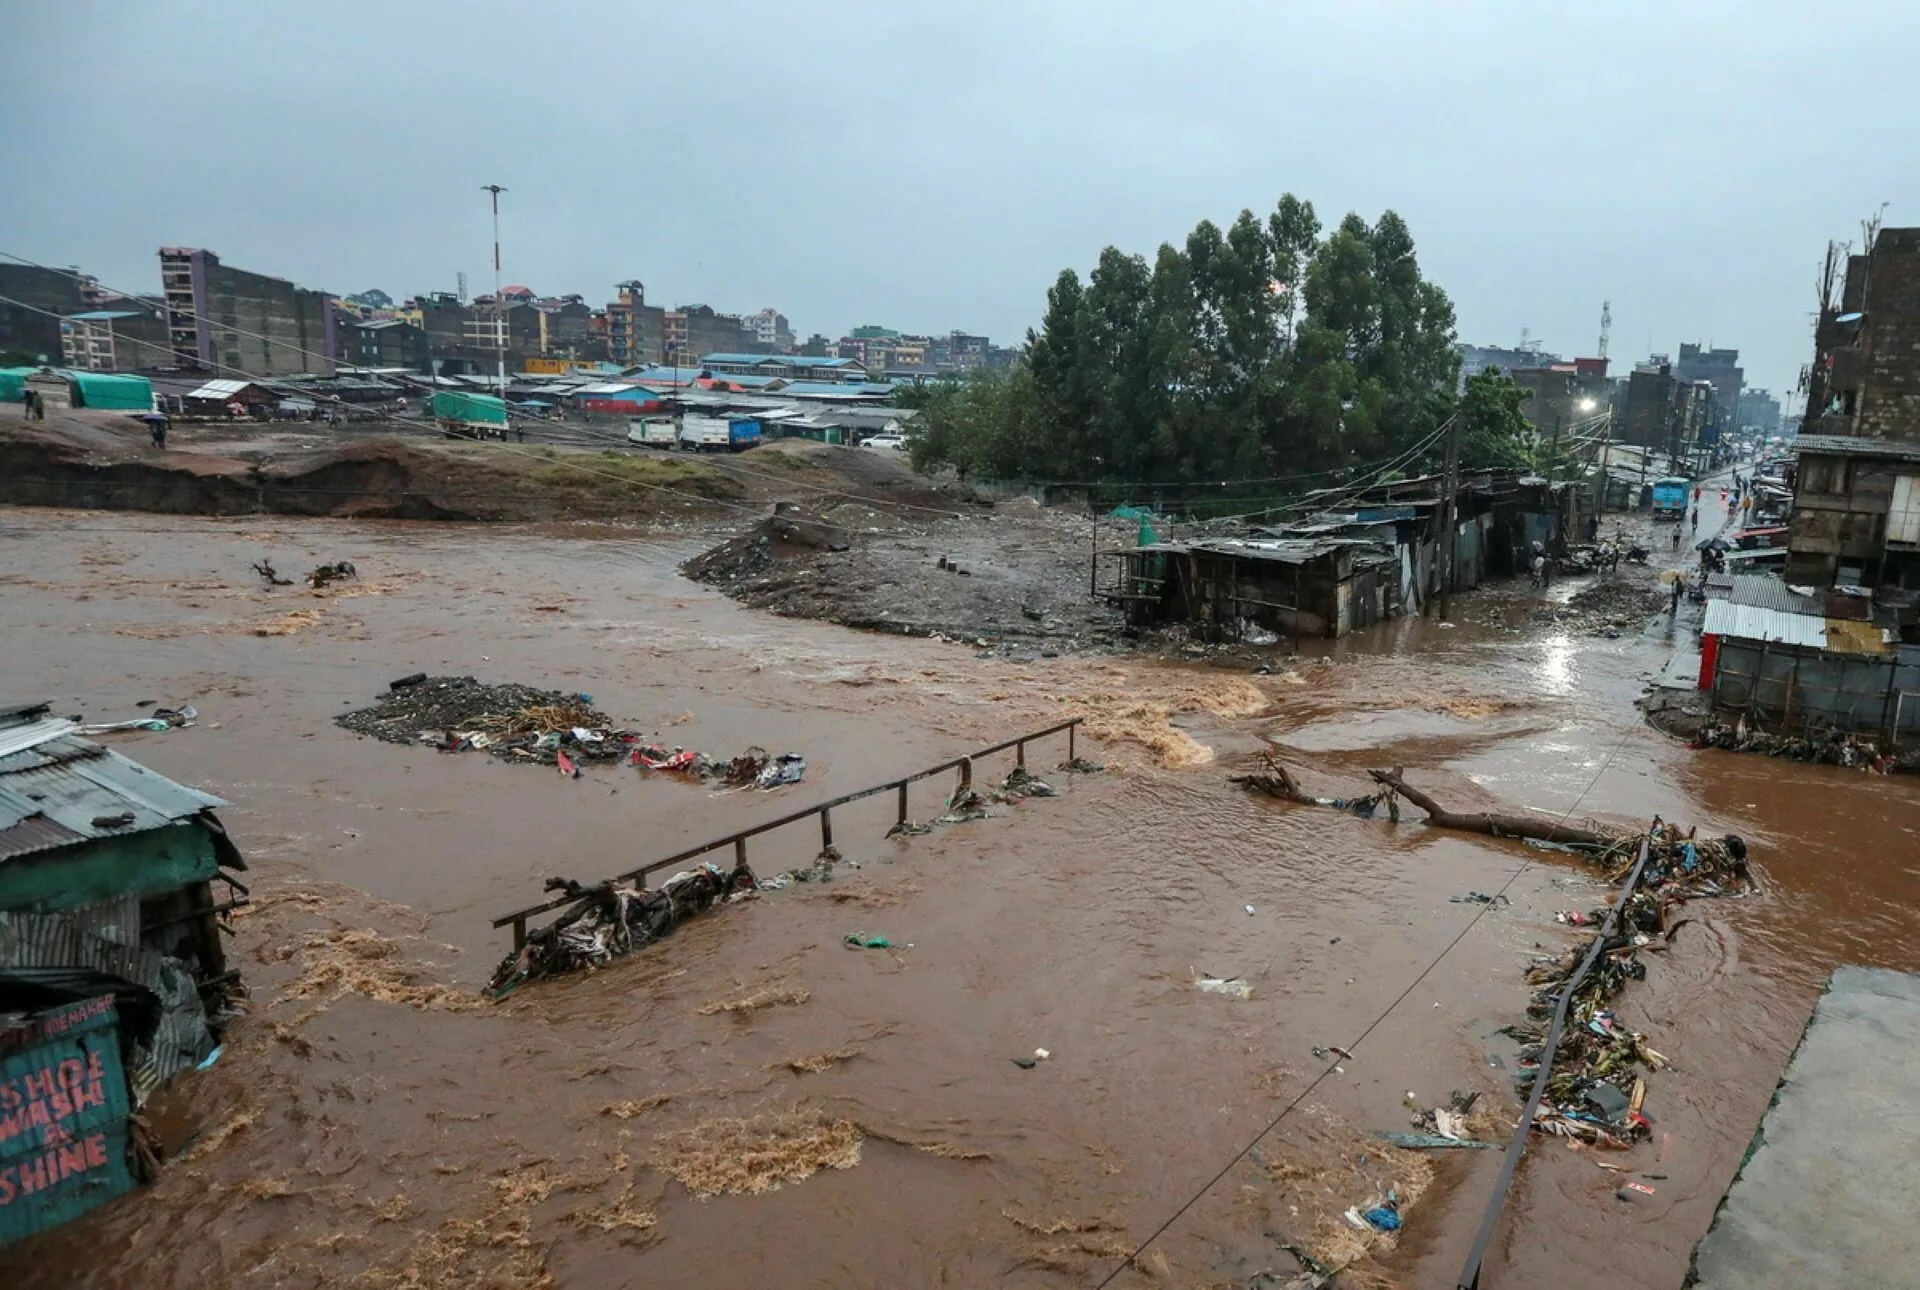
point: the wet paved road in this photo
(436, 1145)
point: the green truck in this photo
(470, 416)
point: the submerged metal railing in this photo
(738, 839)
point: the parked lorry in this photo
(1670, 497)
(695, 434)
(654, 432)
(469, 416)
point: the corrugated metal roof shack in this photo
(106, 903)
(1296, 587)
(1784, 659)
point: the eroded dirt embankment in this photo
(95, 462)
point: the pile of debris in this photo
(613, 918)
(546, 727)
(1595, 1093)
(1829, 748)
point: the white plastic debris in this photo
(1234, 987)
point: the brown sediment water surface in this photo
(858, 1112)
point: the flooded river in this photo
(371, 1123)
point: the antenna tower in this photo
(1606, 325)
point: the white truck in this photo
(653, 432)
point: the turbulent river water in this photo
(371, 1123)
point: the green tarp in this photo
(13, 381)
(469, 409)
(1147, 536)
(110, 392)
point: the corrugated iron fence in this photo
(1790, 686)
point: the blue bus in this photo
(1670, 497)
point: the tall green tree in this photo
(1266, 349)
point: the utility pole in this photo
(1447, 519)
(499, 302)
(1603, 480)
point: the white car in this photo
(885, 443)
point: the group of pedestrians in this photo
(33, 406)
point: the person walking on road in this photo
(1673, 610)
(1695, 522)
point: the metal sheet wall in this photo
(1848, 691)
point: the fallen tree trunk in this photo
(1277, 782)
(1500, 826)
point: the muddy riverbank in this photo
(372, 1124)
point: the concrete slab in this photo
(1831, 1186)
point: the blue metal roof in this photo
(839, 389)
(785, 360)
(106, 315)
(68, 789)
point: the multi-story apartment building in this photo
(220, 318)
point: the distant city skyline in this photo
(1545, 160)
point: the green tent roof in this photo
(13, 382)
(108, 391)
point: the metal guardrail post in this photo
(964, 765)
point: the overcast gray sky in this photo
(934, 168)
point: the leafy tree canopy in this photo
(1265, 349)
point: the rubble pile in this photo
(1829, 748)
(428, 709)
(546, 727)
(1596, 1092)
(614, 918)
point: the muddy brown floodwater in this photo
(373, 1123)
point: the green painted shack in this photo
(108, 875)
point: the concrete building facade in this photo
(1759, 413)
(36, 301)
(235, 321)
(116, 340)
(770, 328)
(1721, 369)
(635, 330)
(1856, 508)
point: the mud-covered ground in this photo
(1015, 579)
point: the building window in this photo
(1903, 518)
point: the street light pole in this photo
(499, 302)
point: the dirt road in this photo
(371, 1124)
